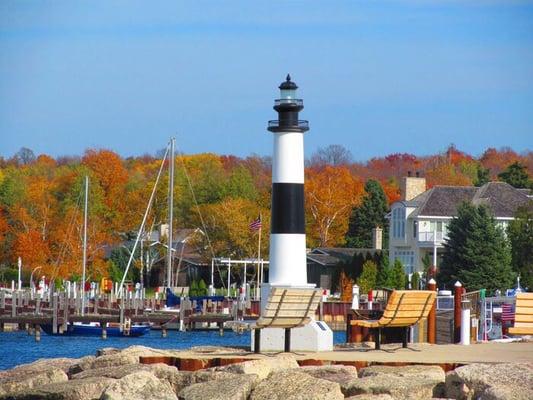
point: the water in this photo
(20, 348)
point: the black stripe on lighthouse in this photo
(288, 213)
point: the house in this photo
(324, 264)
(419, 221)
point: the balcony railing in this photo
(302, 124)
(298, 102)
(431, 237)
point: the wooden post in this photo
(2, 300)
(37, 333)
(13, 304)
(37, 305)
(457, 312)
(54, 313)
(221, 328)
(65, 312)
(432, 317)
(163, 331)
(104, 330)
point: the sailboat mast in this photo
(170, 212)
(84, 247)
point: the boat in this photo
(94, 329)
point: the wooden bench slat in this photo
(523, 318)
(523, 315)
(289, 306)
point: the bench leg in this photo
(405, 337)
(257, 340)
(287, 340)
(377, 333)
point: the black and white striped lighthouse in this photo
(288, 265)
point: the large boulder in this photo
(234, 387)
(23, 379)
(141, 385)
(491, 382)
(409, 382)
(261, 367)
(79, 389)
(292, 384)
(342, 374)
(109, 360)
(121, 371)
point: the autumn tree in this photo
(333, 155)
(368, 215)
(330, 193)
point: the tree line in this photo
(41, 200)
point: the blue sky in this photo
(377, 77)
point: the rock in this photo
(292, 384)
(342, 374)
(79, 389)
(371, 397)
(261, 367)
(409, 382)
(77, 366)
(491, 381)
(235, 387)
(143, 351)
(106, 351)
(141, 385)
(109, 360)
(121, 371)
(25, 378)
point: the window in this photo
(398, 223)
(415, 227)
(407, 258)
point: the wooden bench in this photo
(404, 309)
(286, 309)
(523, 316)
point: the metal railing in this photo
(298, 102)
(431, 236)
(302, 124)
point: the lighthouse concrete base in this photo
(315, 336)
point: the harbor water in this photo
(20, 348)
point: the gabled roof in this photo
(442, 201)
(332, 256)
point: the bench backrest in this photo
(523, 317)
(289, 308)
(407, 307)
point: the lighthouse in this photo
(288, 264)
(288, 256)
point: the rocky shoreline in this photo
(118, 374)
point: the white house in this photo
(419, 221)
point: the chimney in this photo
(377, 238)
(412, 186)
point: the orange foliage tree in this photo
(330, 194)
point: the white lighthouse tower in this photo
(288, 260)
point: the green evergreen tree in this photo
(202, 288)
(476, 252)
(520, 234)
(382, 279)
(415, 281)
(193, 289)
(516, 175)
(483, 176)
(368, 215)
(397, 276)
(367, 280)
